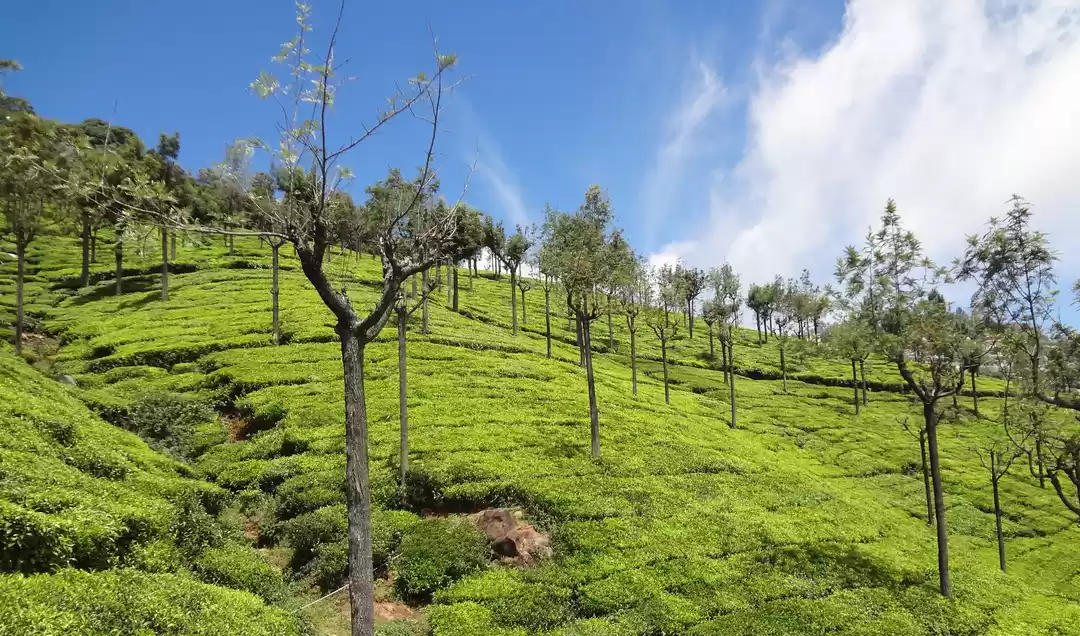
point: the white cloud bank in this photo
(948, 106)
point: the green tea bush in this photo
(436, 552)
(169, 421)
(241, 568)
(132, 602)
(320, 538)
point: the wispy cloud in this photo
(949, 107)
(491, 167)
(701, 99)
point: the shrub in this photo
(321, 538)
(193, 528)
(241, 568)
(169, 421)
(437, 552)
(132, 602)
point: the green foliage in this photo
(241, 568)
(436, 552)
(169, 421)
(132, 602)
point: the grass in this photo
(804, 520)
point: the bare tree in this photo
(997, 460)
(660, 317)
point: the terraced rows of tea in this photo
(805, 519)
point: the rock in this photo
(510, 538)
(67, 379)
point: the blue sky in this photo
(557, 95)
(764, 134)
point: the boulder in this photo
(512, 539)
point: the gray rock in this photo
(67, 379)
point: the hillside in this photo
(806, 519)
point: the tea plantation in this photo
(228, 514)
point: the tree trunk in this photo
(757, 321)
(403, 407)
(423, 300)
(274, 249)
(451, 276)
(164, 263)
(862, 374)
(547, 320)
(855, 385)
(513, 300)
(20, 278)
(454, 302)
(930, 415)
(357, 486)
(581, 341)
(690, 318)
(724, 363)
(610, 331)
(926, 479)
(783, 367)
(663, 359)
(118, 253)
(1039, 460)
(633, 361)
(997, 513)
(731, 381)
(594, 414)
(524, 319)
(712, 348)
(85, 239)
(975, 404)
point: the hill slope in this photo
(804, 520)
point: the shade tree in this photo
(662, 317)
(634, 296)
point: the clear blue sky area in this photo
(557, 95)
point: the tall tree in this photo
(634, 296)
(996, 459)
(512, 255)
(468, 241)
(662, 318)
(579, 245)
(692, 282)
(306, 95)
(728, 296)
(784, 314)
(853, 341)
(922, 338)
(168, 173)
(757, 301)
(33, 155)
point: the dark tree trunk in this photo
(930, 415)
(547, 320)
(926, 479)
(757, 322)
(1039, 460)
(358, 488)
(451, 276)
(118, 254)
(663, 359)
(454, 302)
(164, 263)
(594, 414)
(582, 328)
(633, 361)
(274, 291)
(712, 347)
(524, 318)
(731, 380)
(997, 511)
(513, 300)
(403, 407)
(423, 301)
(690, 317)
(783, 367)
(85, 239)
(855, 385)
(724, 363)
(862, 375)
(975, 404)
(20, 279)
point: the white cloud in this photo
(700, 102)
(948, 106)
(492, 169)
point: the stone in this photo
(511, 538)
(68, 380)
